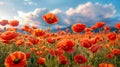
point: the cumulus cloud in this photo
(1, 3)
(87, 13)
(34, 17)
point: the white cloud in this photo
(29, 2)
(1, 3)
(34, 17)
(87, 13)
(90, 12)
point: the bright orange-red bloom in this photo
(33, 40)
(27, 29)
(50, 18)
(41, 61)
(88, 29)
(4, 22)
(39, 32)
(117, 25)
(66, 45)
(52, 52)
(111, 36)
(19, 42)
(110, 56)
(100, 24)
(11, 29)
(106, 65)
(93, 40)
(16, 59)
(59, 52)
(62, 32)
(93, 27)
(14, 23)
(86, 43)
(80, 59)
(62, 59)
(28, 55)
(78, 27)
(8, 35)
(116, 51)
(50, 40)
(94, 48)
(106, 28)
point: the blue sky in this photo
(13, 8)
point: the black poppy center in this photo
(16, 61)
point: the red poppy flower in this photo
(28, 43)
(28, 55)
(52, 52)
(39, 32)
(16, 59)
(94, 48)
(111, 36)
(6, 41)
(106, 65)
(50, 40)
(62, 33)
(27, 29)
(62, 59)
(19, 42)
(78, 27)
(9, 35)
(41, 61)
(86, 43)
(11, 29)
(93, 27)
(110, 56)
(93, 40)
(100, 24)
(59, 52)
(4, 22)
(50, 18)
(66, 45)
(117, 25)
(33, 40)
(80, 59)
(106, 28)
(116, 51)
(14, 23)
(88, 29)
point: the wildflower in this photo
(14, 23)
(78, 27)
(111, 36)
(117, 25)
(39, 32)
(67, 45)
(16, 59)
(86, 43)
(4, 22)
(80, 59)
(50, 18)
(41, 61)
(99, 24)
(9, 35)
(62, 59)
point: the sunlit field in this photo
(78, 46)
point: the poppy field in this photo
(35, 47)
